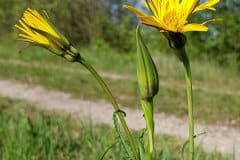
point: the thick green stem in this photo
(181, 53)
(147, 106)
(114, 103)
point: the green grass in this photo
(216, 97)
(29, 134)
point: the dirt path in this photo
(222, 138)
(170, 83)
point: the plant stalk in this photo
(114, 103)
(181, 53)
(147, 106)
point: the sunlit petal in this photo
(150, 21)
(195, 27)
(135, 11)
(207, 5)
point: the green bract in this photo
(146, 70)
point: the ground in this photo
(222, 138)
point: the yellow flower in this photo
(172, 15)
(37, 29)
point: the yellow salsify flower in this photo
(37, 30)
(173, 15)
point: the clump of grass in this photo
(27, 133)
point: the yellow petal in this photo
(151, 22)
(173, 4)
(135, 10)
(194, 27)
(37, 21)
(187, 6)
(148, 20)
(207, 5)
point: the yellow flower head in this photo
(172, 15)
(37, 29)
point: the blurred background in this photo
(106, 22)
(104, 32)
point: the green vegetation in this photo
(84, 21)
(26, 133)
(105, 22)
(216, 96)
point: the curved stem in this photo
(114, 103)
(181, 53)
(147, 105)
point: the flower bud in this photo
(146, 70)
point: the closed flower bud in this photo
(146, 70)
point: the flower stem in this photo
(147, 105)
(114, 103)
(181, 53)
